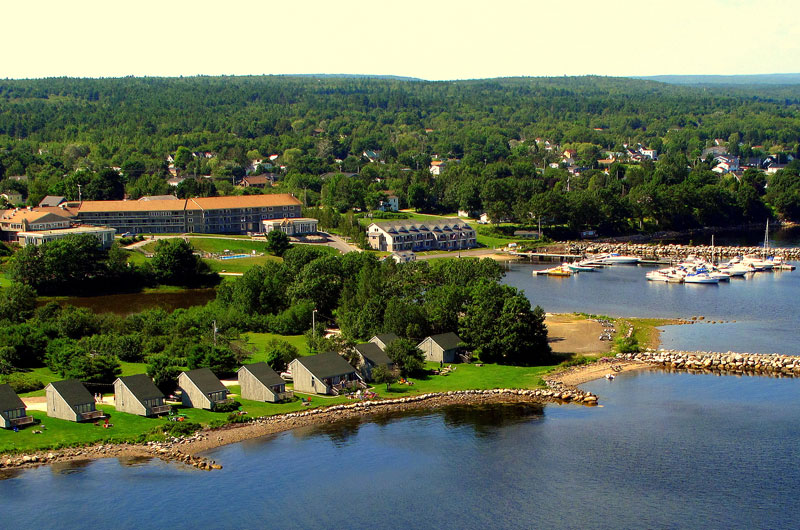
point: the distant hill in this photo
(755, 79)
(357, 76)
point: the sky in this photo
(428, 39)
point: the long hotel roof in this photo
(199, 203)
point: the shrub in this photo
(177, 428)
(22, 383)
(229, 406)
(627, 345)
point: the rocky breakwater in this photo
(715, 362)
(680, 251)
(168, 450)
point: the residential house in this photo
(137, 394)
(52, 201)
(69, 400)
(369, 356)
(200, 389)
(384, 339)
(259, 382)
(326, 373)
(404, 256)
(652, 154)
(258, 181)
(391, 204)
(569, 154)
(774, 167)
(174, 181)
(373, 156)
(12, 409)
(448, 234)
(437, 167)
(12, 197)
(291, 227)
(444, 347)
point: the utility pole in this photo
(314, 324)
(79, 193)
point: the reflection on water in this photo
(69, 467)
(128, 303)
(484, 420)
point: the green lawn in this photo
(259, 340)
(239, 264)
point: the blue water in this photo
(764, 305)
(664, 451)
(236, 256)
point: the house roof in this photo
(406, 226)
(141, 386)
(243, 201)
(373, 353)
(447, 341)
(264, 373)
(205, 380)
(326, 364)
(52, 200)
(9, 400)
(258, 179)
(32, 216)
(73, 392)
(386, 338)
(198, 203)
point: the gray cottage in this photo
(69, 400)
(200, 389)
(441, 348)
(259, 382)
(137, 394)
(12, 409)
(326, 373)
(384, 339)
(371, 355)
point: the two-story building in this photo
(395, 236)
(210, 215)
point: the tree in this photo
(501, 327)
(279, 354)
(278, 242)
(406, 356)
(17, 302)
(175, 263)
(182, 157)
(381, 374)
(163, 371)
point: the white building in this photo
(297, 226)
(394, 236)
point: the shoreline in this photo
(189, 450)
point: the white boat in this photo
(617, 259)
(577, 267)
(656, 276)
(701, 277)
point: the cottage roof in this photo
(142, 387)
(73, 392)
(373, 353)
(205, 380)
(386, 338)
(265, 375)
(258, 179)
(52, 200)
(9, 400)
(410, 226)
(325, 365)
(447, 341)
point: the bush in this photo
(627, 345)
(22, 383)
(235, 417)
(177, 428)
(230, 406)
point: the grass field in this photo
(239, 264)
(259, 340)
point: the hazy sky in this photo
(430, 39)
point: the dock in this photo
(547, 256)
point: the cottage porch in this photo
(160, 409)
(23, 420)
(91, 415)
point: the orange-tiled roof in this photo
(198, 203)
(131, 206)
(31, 216)
(243, 201)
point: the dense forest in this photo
(112, 137)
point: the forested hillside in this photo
(64, 132)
